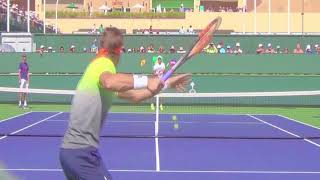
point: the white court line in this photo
(178, 171)
(299, 122)
(10, 118)
(19, 130)
(167, 113)
(288, 132)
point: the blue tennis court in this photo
(184, 153)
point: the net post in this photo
(157, 155)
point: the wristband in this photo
(140, 82)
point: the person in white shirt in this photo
(238, 50)
(158, 70)
(181, 50)
(190, 30)
(181, 31)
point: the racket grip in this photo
(166, 76)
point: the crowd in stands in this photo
(18, 19)
(212, 48)
(225, 9)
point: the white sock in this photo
(25, 103)
(19, 103)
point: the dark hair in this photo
(111, 39)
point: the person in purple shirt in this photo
(24, 80)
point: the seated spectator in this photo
(317, 47)
(221, 49)
(72, 49)
(129, 50)
(278, 50)
(269, 50)
(190, 30)
(229, 50)
(94, 47)
(286, 51)
(238, 50)
(211, 49)
(172, 49)
(308, 49)
(50, 49)
(61, 49)
(161, 50)
(84, 50)
(150, 49)
(260, 49)
(298, 49)
(181, 50)
(142, 50)
(181, 31)
(150, 30)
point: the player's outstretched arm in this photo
(138, 95)
(124, 82)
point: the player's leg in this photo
(26, 95)
(21, 94)
(83, 164)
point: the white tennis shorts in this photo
(24, 85)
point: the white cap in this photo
(159, 57)
(317, 45)
(228, 47)
(180, 48)
(49, 47)
(269, 45)
(260, 45)
(72, 46)
(219, 46)
(308, 46)
(237, 44)
(141, 47)
(42, 46)
(278, 47)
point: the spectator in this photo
(142, 50)
(286, 51)
(161, 50)
(260, 49)
(84, 50)
(181, 8)
(222, 50)
(94, 47)
(172, 49)
(61, 49)
(229, 50)
(181, 31)
(317, 47)
(298, 49)
(150, 49)
(269, 50)
(181, 50)
(94, 28)
(150, 30)
(50, 49)
(308, 49)
(278, 50)
(238, 50)
(72, 49)
(101, 29)
(190, 30)
(211, 49)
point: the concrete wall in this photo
(239, 22)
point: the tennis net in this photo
(240, 115)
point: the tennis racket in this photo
(205, 37)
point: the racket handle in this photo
(166, 76)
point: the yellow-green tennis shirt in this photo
(89, 107)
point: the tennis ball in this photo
(174, 117)
(176, 126)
